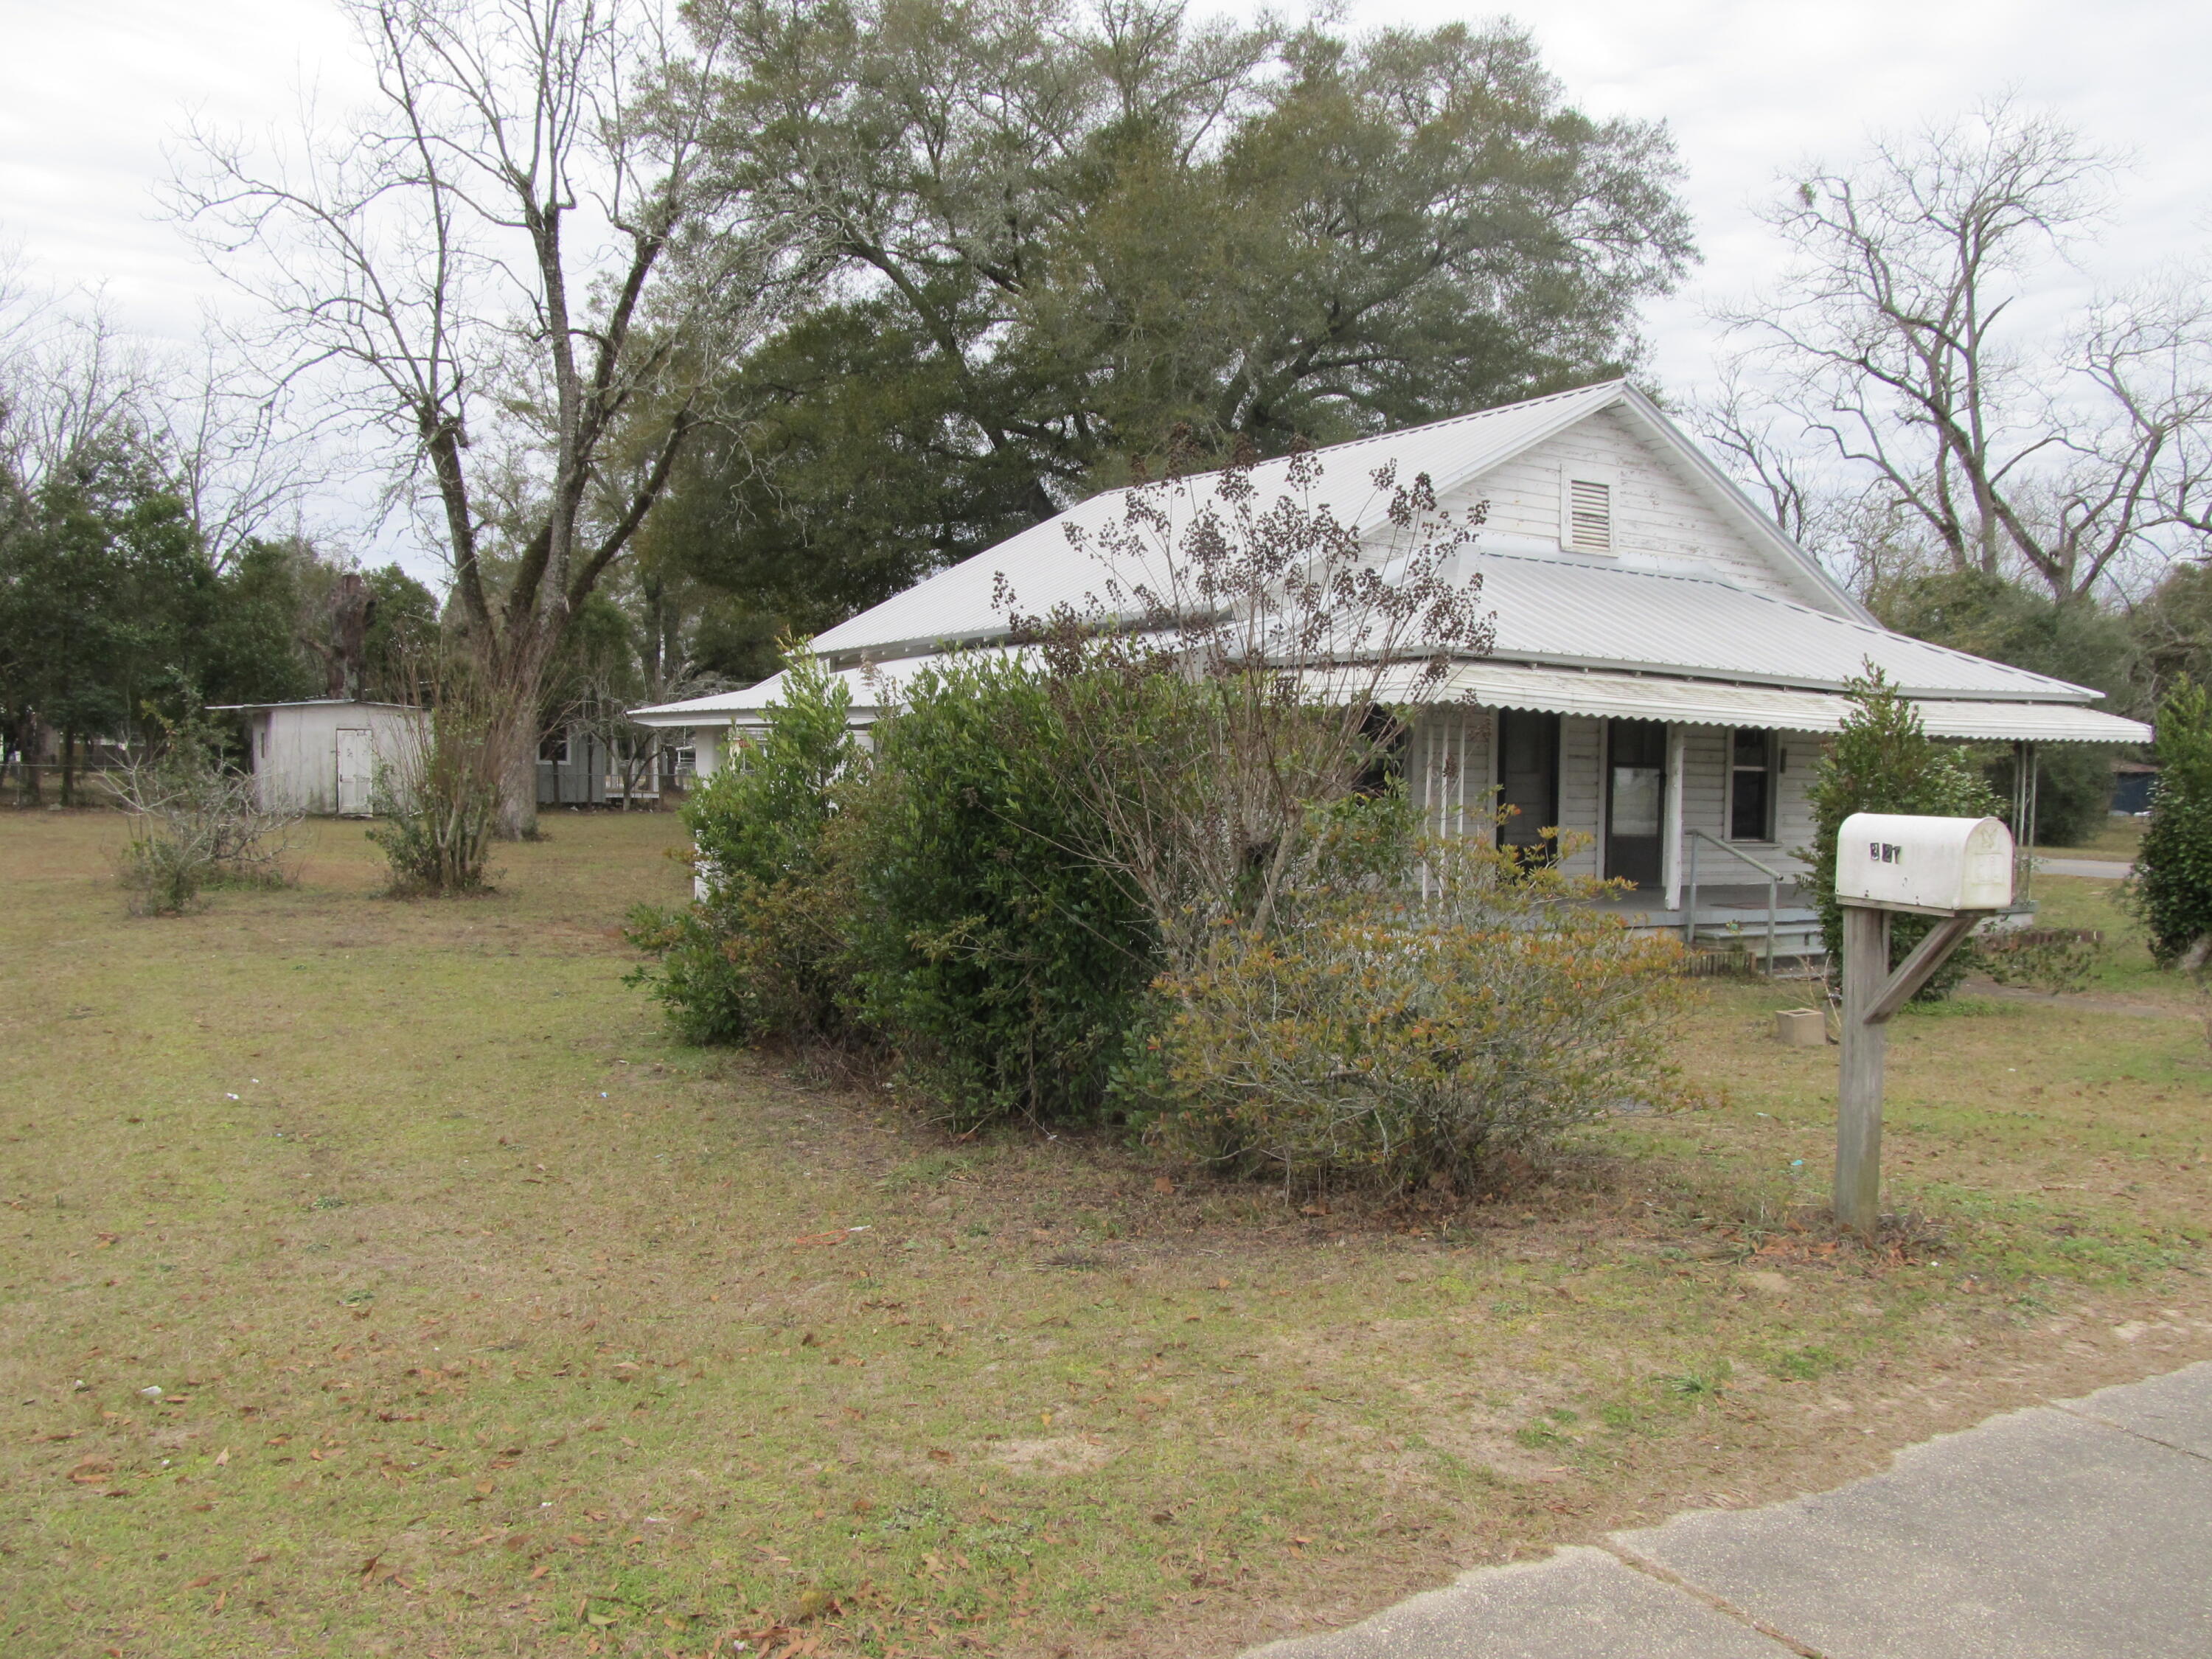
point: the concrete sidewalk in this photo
(2081, 1530)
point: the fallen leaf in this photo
(938, 1455)
(541, 1570)
(1162, 1184)
(202, 1581)
(222, 1457)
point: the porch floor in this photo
(1720, 904)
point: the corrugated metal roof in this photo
(1703, 702)
(2029, 722)
(1554, 608)
(1552, 611)
(1564, 610)
(1546, 691)
(873, 687)
(1044, 570)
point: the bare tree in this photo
(482, 260)
(1898, 366)
(1246, 660)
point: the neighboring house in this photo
(2133, 784)
(321, 755)
(1667, 661)
(573, 764)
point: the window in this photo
(1528, 783)
(1753, 761)
(1386, 759)
(554, 747)
(1590, 515)
(685, 760)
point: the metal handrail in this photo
(1774, 879)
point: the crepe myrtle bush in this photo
(1389, 1033)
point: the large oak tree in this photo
(1040, 239)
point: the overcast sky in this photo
(92, 93)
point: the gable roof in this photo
(955, 606)
(1552, 610)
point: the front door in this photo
(356, 772)
(1636, 795)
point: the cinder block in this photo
(1801, 1028)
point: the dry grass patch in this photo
(488, 1322)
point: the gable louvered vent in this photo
(1590, 516)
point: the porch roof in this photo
(1706, 702)
(1491, 685)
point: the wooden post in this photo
(1858, 1099)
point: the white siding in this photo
(298, 765)
(1581, 795)
(1449, 771)
(1658, 517)
(1705, 803)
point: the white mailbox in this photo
(1896, 862)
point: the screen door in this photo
(1636, 801)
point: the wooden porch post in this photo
(1670, 823)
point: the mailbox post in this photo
(1960, 869)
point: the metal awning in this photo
(1703, 703)
(1488, 684)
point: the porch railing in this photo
(1774, 879)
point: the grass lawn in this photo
(2119, 838)
(487, 1321)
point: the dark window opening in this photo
(1528, 783)
(1383, 739)
(1636, 801)
(1752, 769)
(554, 747)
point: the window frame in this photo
(1770, 770)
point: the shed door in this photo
(357, 771)
(1636, 797)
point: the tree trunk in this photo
(69, 767)
(32, 751)
(518, 792)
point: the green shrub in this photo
(764, 953)
(1883, 760)
(1000, 956)
(2052, 959)
(1391, 1033)
(2171, 891)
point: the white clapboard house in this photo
(1666, 666)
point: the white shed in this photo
(321, 755)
